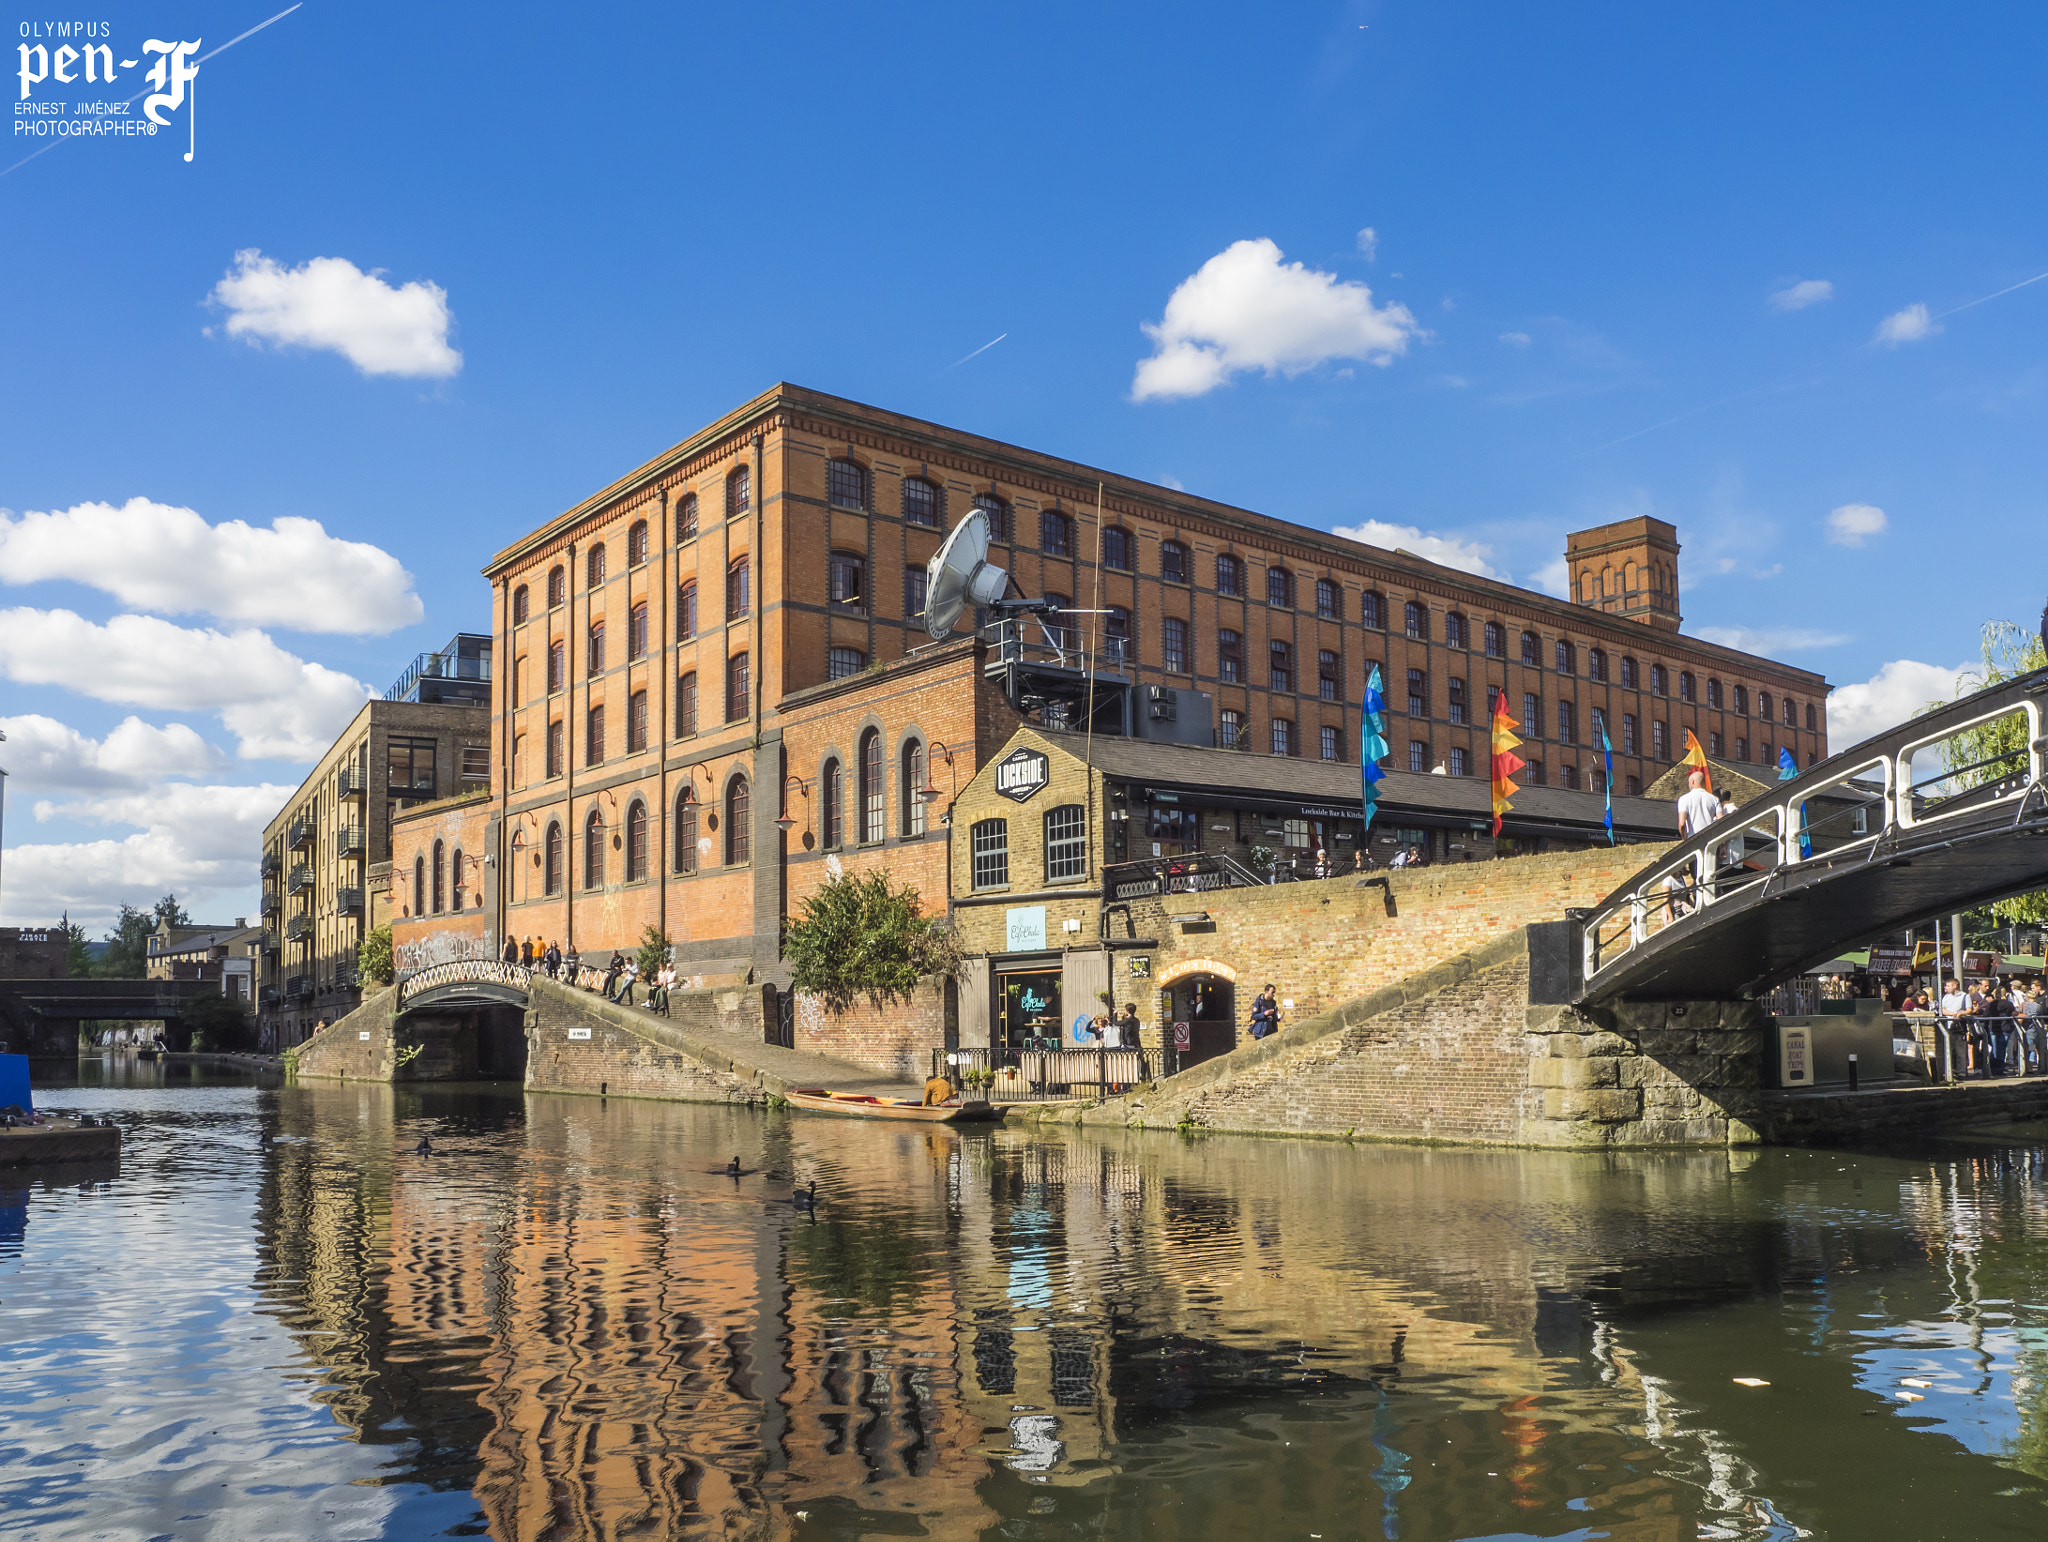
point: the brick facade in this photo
(443, 884)
(896, 1040)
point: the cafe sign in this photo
(1021, 773)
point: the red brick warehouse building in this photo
(730, 635)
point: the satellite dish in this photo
(960, 575)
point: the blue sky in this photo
(626, 220)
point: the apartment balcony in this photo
(297, 927)
(345, 977)
(349, 901)
(351, 841)
(273, 902)
(271, 865)
(300, 881)
(351, 783)
(270, 940)
(300, 834)
(298, 987)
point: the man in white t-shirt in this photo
(1955, 1015)
(1698, 808)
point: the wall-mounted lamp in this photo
(929, 793)
(787, 822)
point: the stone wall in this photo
(339, 1051)
(896, 1039)
(628, 1054)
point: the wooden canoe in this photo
(862, 1106)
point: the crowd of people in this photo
(615, 982)
(1995, 1027)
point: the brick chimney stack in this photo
(1629, 569)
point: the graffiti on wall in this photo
(442, 948)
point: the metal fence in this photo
(1045, 1076)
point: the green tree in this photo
(127, 955)
(374, 961)
(653, 952)
(1997, 749)
(215, 1023)
(169, 912)
(78, 959)
(863, 936)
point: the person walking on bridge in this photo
(1697, 809)
(511, 953)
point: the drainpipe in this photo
(760, 590)
(569, 652)
(506, 669)
(663, 706)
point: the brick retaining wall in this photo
(631, 1055)
(896, 1040)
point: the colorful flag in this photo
(1607, 749)
(1505, 761)
(1372, 743)
(1697, 759)
(1788, 770)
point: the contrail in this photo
(138, 96)
(1794, 375)
(984, 348)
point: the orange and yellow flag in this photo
(1697, 757)
(1505, 761)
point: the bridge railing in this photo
(1974, 758)
(462, 971)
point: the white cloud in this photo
(1854, 523)
(278, 705)
(1368, 243)
(1887, 698)
(1245, 309)
(1771, 641)
(198, 841)
(1796, 297)
(159, 557)
(1906, 326)
(1554, 577)
(1452, 551)
(331, 303)
(1515, 339)
(46, 755)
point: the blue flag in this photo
(1372, 744)
(1788, 769)
(1607, 749)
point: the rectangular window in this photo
(1714, 745)
(738, 687)
(636, 722)
(1229, 576)
(846, 484)
(1333, 743)
(1628, 673)
(1280, 588)
(1329, 676)
(1418, 755)
(1532, 715)
(476, 766)
(519, 760)
(1741, 747)
(1280, 668)
(595, 653)
(1457, 764)
(1116, 549)
(1173, 562)
(1628, 733)
(738, 591)
(1055, 534)
(1418, 693)
(1066, 842)
(1456, 702)
(1329, 600)
(409, 767)
(1229, 657)
(1230, 729)
(1567, 723)
(636, 631)
(1454, 630)
(1535, 773)
(991, 850)
(921, 503)
(686, 611)
(849, 574)
(843, 663)
(1568, 776)
(1742, 700)
(1174, 642)
(686, 705)
(558, 664)
(555, 748)
(1283, 736)
(593, 745)
(914, 580)
(1656, 739)
(1635, 787)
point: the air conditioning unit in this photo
(1162, 703)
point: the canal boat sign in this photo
(861, 1106)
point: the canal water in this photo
(275, 1321)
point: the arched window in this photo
(593, 748)
(1119, 551)
(1628, 673)
(1496, 639)
(517, 888)
(558, 664)
(739, 592)
(455, 881)
(636, 841)
(594, 565)
(990, 841)
(1173, 562)
(844, 663)
(686, 611)
(1055, 533)
(1686, 688)
(912, 799)
(739, 492)
(1066, 842)
(593, 850)
(1229, 575)
(873, 802)
(636, 631)
(1812, 719)
(595, 652)
(998, 515)
(1372, 610)
(1742, 700)
(738, 835)
(1455, 633)
(551, 865)
(686, 830)
(1532, 649)
(558, 587)
(686, 705)
(519, 605)
(846, 483)
(636, 722)
(1280, 588)
(1791, 713)
(636, 543)
(1329, 600)
(831, 815)
(1567, 658)
(1660, 683)
(847, 576)
(686, 518)
(1117, 642)
(1415, 620)
(1596, 665)
(922, 503)
(738, 690)
(440, 877)
(419, 886)
(1763, 706)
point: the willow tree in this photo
(1995, 751)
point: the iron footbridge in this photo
(465, 982)
(1944, 813)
